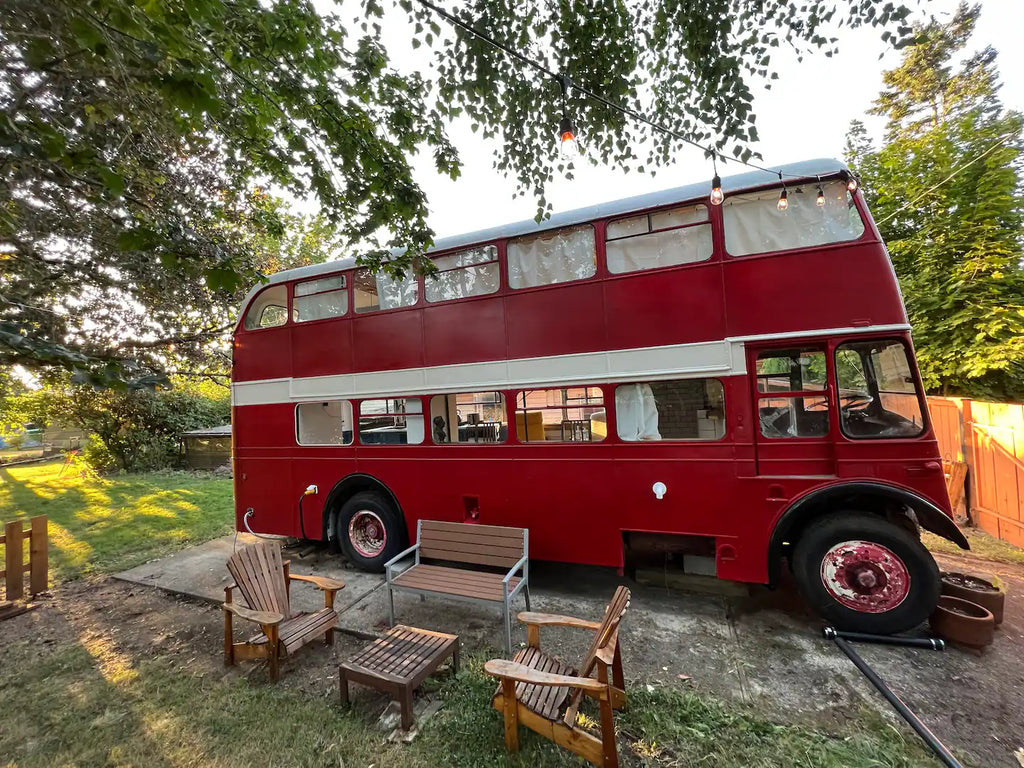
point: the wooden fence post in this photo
(13, 551)
(39, 555)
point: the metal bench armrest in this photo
(521, 564)
(405, 553)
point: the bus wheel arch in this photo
(897, 505)
(365, 521)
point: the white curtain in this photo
(397, 293)
(636, 412)
(325, 423)
(659, 249)
(754, 223)
(467, 273)
(552, 257)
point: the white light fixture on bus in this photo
(569, 146)
(783, 200)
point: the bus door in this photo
(790, 387)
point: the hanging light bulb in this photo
(570, 147)
(821, 197)
(717, 196)
(783, 200)
(851, 183)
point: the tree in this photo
(132, 135)
(945, 189)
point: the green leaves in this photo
(945, 190)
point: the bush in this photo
(96, 455)
(15, 440)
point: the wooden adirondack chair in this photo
(534, 686)
(265, 583)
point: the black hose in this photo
(302, 520)
(931, 643)
(905, 712)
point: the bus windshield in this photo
(877, 393)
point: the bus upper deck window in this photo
(268, 309)
(557, 256)
(319, 299)
(660, 239)
(754, 223)
(375, 292)
(466, 273)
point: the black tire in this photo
(911, 604)
(368, 505)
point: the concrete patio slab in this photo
(201, 573)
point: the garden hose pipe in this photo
(311, 490)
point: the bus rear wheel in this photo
(862, 573)
(370, 531)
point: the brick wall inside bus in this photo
(990, 438)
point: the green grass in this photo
(84, 704)
(983, 545)
(105, 524)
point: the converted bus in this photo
(732, 384)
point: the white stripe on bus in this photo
(675, 361)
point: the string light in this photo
(519, 56)
(820, 201)
(784, 197)
(570, 147)
(568, 143)
(717, 196)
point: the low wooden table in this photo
(398, 662)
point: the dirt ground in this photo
(763, 651)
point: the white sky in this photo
(805, 115)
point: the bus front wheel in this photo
(862, 573)
(370, 531)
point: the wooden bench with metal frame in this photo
(459, 545)
(534, 685)
(264, 580)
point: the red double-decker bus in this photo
(730, 385)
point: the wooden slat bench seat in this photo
(464, 548)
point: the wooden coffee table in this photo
(398, 662)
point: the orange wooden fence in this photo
(15, 565)
(990, 438)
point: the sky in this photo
(805, 115)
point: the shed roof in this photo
(222, 431)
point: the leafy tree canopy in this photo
(133, 132)
(945, 189)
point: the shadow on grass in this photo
(100, 524)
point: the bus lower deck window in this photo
(683, 409)
(468, 417)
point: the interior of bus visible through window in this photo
(878, 396)
(268, 309)
(468, 417)
(684, 409)
(564, 415)
(396, 421)
(792, 400)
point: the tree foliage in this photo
(137, 429)
(133, 132)
(945, 189)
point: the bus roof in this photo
(807, 169)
